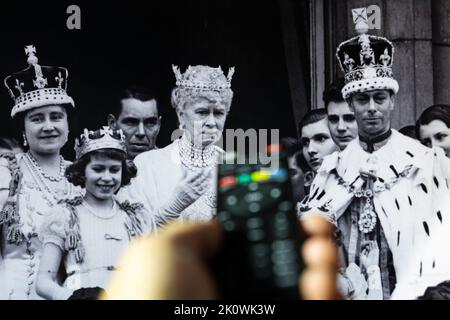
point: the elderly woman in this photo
(33, 182)
(178, 180)
(433, 127)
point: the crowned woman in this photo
(178, 181)
(33, 182)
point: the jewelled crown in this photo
(37, 86)
(203, 78)
(104, 138)
(366, 60)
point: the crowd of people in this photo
(65, 224)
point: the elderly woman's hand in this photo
(191, 187)
(175, 264)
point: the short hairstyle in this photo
(434, 112)
(75, 173)
(310, 117)
(291, 145)
(409, 131)
(333, 92)
(132, 92)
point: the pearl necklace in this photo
(47, 191)
(62, 168)
(92, 211)
(193, 157)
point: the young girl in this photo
(90, 233)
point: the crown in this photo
(203, 78)
(366, 60)
(104, 138)
(37, 86)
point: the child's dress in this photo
(92, 245)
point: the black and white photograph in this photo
(204, 150)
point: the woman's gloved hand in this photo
(191, 187)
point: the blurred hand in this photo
(175, 264)
(370, 254)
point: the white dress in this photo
(20, 244)
(92, 245)
(159, 172)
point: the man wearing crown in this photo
(384, 187)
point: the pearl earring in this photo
(25, 142)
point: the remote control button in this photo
(275, 193)
(254, 207)
(256, 235)
(223, 215)
(279, 175)
(253, 186)
(253, 197)
(282, 257)
(229, 226)
(280, 217)
(285, 269)
(285, 206)
(283, 245)
(261, 176)
(282, 233)
(254, 223)
(244, 179)
(229, 181)
(232, 200)
(259, 260)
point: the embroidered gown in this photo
(20, 245)
(92, 244)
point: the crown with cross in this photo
(366, 60)
(103, 138)
(37, 86)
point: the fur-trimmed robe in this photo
(414, 213)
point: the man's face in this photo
(342, 123)
(317, 143)
(373, 112)
(140, 123)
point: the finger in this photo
(317, 225)
(203, 184)
(199, 178)
(320, 252)
(203, 239)
(318, 284)
(192, 176)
